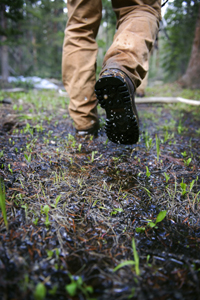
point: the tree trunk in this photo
(4, 62)
(191, 78)
(4, 49)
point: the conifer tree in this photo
(181, 17)
(191, 78)
(11, 13)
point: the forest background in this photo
(32, 35)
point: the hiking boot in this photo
(115, 93)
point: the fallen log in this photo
(13, 90)
(166, 100)
(156, 99)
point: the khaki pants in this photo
(137, 26)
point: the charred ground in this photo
(75, 205)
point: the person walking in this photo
(125, 65)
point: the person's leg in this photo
(137, 27)
(125, 65)
(79, 60)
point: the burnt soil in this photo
(99, 196)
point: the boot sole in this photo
(121, 122)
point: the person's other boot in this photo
(93, 131)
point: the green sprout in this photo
(57, 200)
(180, 127)
(148, 140)
(10, 169)
(192, 183)
(160, 217)
(46, 211)
(28, 158)
(157, 147)
(3, 202)
(166, 136)
(35, 221)
(116, 210)
(92, 156)
(148, 174)
(188, 161)
(184, 153)
(40, 291)
(167, 177)
(134, 262)
(183, 187)
(78, 285)
(79, 147)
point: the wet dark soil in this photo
(100, 196)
